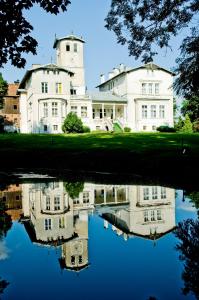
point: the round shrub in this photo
(165, 128)
(72, 124)
(127, 129)
(86, 129)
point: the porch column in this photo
(115, 195)
(113, 111)
(104, 195)
(102, 110)
(125, 113)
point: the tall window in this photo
(61, 222)
(159, 217)
(73, 91)
(154, 192)
(48, 224)
(146, 193)
(150, 87)
(146, 216)
(157, 88)
(57, 203)
(67, 47)
(152, 215)
(83, 111)
(163, 192)
(54, 109)
(55, 127)
(153, 111)
(44, 87)
(85, 197)
(74, 109)
(45, 109)
(144, 88)
(75, 47)
(80, 259)
(47, 203)
(144, 111)
(58, 87)
(162, 111)
(72, 260)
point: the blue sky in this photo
(84, 18)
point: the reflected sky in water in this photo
(86, 240)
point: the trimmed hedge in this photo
(165, 128)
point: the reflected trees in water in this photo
(5, 221)
(3, 285)
(5, 225)
(74, 188)
(188, 234)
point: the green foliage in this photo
(74, 188)
(179, 124)
(165, 128)
(186, 83)
(175, 107)
(72, 124)
(196, 126)
(86, 129)
(1, 124)
(194, 197)
(3, 89)
(15, 29)
(127, 129)
(191, 108)
(187, 127)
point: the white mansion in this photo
(140, 98)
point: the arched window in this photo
(67, 47)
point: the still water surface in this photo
(93, 241)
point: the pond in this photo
(62, 240)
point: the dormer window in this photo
(67, 47)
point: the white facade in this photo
(149, 92)
(139, 98)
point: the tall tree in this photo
(146, 25)
(15, 36)
(191, 108)
(3, 89)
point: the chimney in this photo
(102, 78)
(110, 75)
(34, 66)
(122, 68)
(116, 71)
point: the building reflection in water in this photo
(53, 218)
(11, 197)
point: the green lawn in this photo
(140, 153)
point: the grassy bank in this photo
(139, 153)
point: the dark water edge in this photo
(181, 180)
